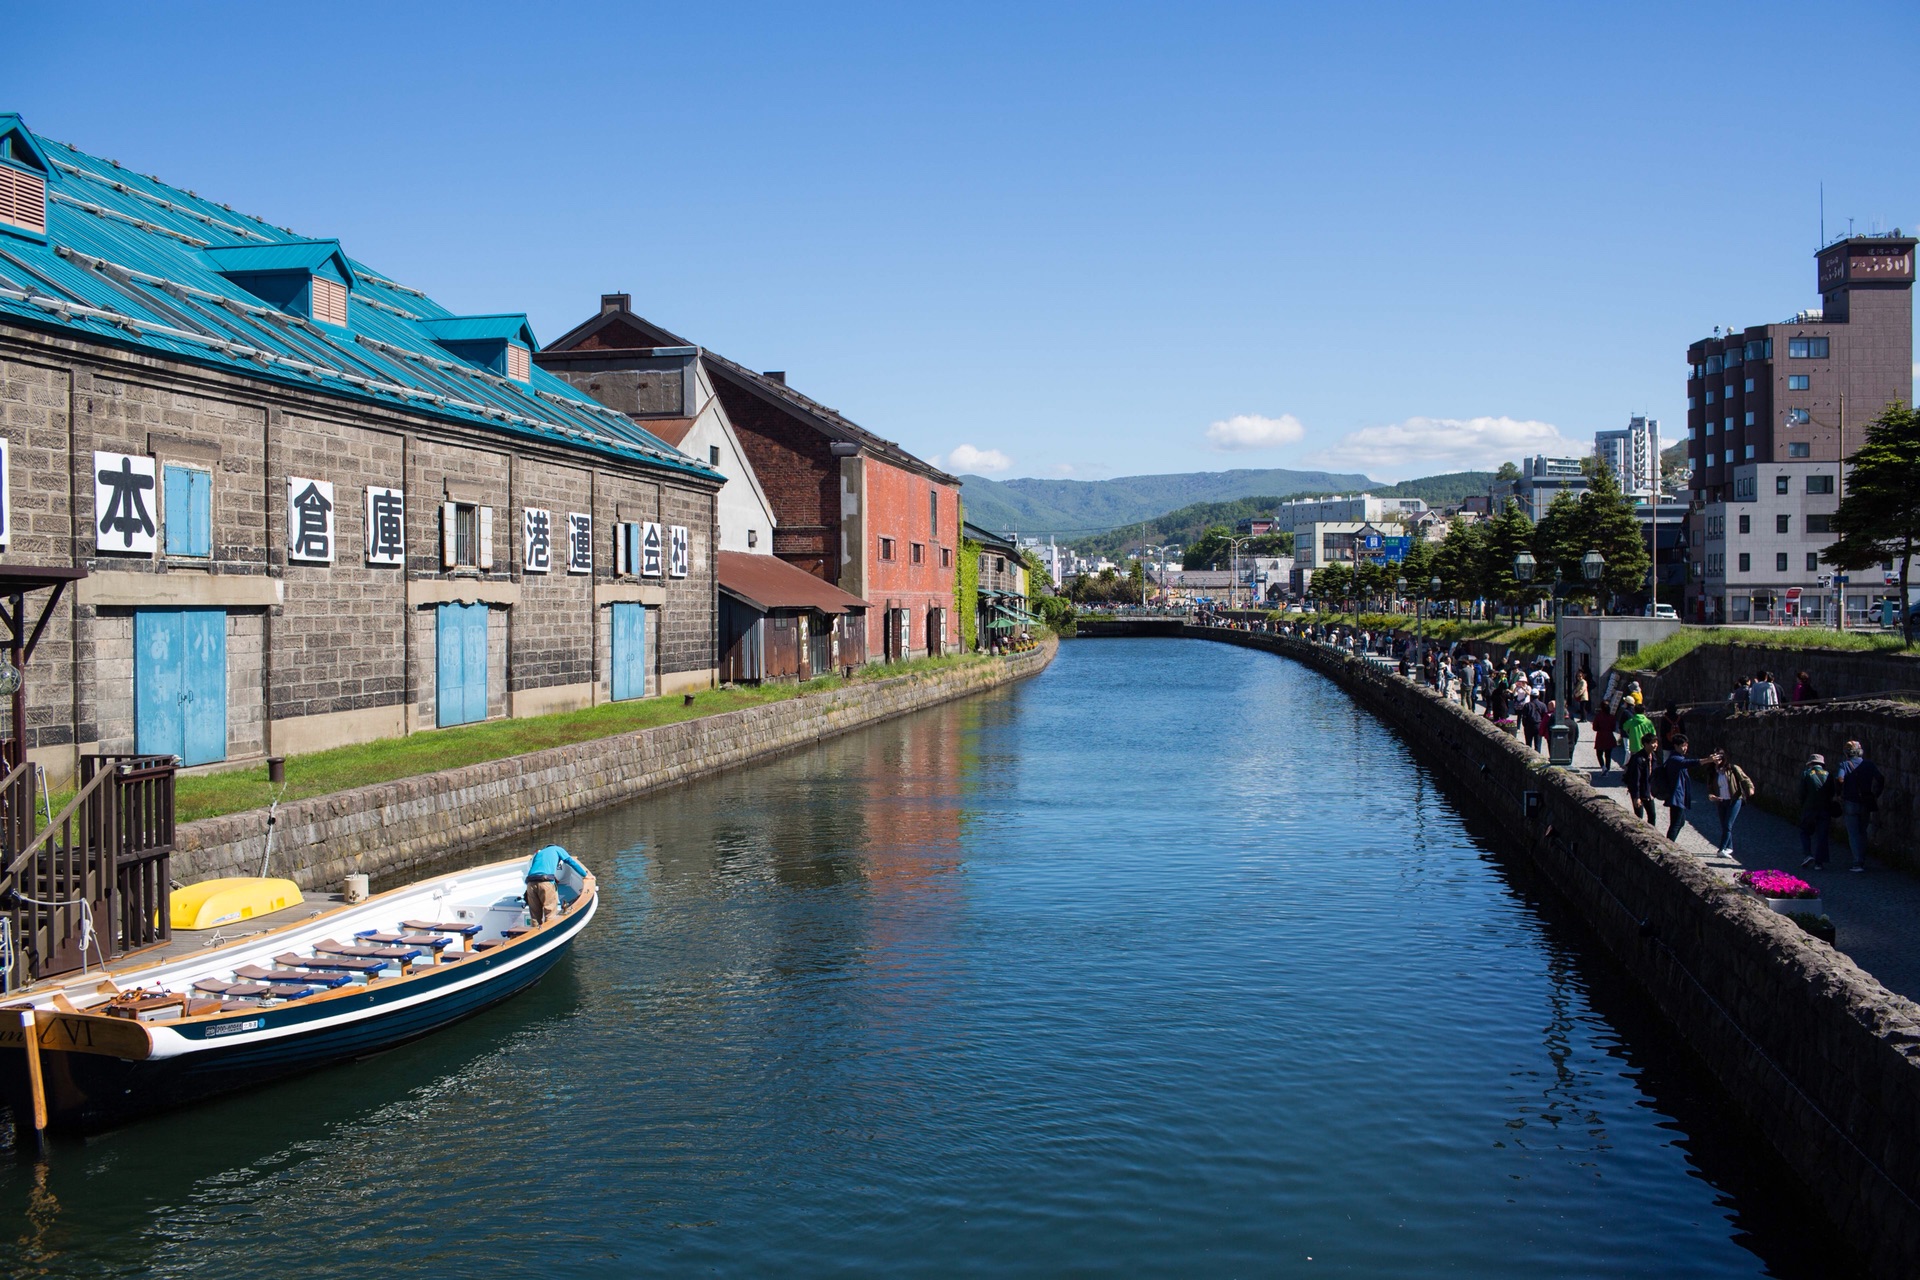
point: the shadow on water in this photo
(1772, 1214)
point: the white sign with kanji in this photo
(649, 549)
(681, 557)
(124, 502)
(579, 542)
(309, 520)
(537, 539)
(386, 527)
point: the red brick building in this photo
(850, 508)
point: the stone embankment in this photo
(1821, 1058)
(391, 827)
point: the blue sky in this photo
(1082, 240)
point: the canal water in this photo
(1168, 962)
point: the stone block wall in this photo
(395, 827)
(1819, 1057)
(1708, 673)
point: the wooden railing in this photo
(93, 883)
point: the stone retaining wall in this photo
(393, 826)
(1821, 1058)
(1708, 673)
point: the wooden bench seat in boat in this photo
(430, 926)
(231, 990)
(349, 964)
(432, 941)
(405, 955)
(291, 977)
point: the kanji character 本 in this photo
(539, 535)
(126, 512)
(309, 520)
(386, 526)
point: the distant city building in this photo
(1255, 526)
(1633, 455)
(1358, 507)
(1542, 479)
(1771, 411)
(1325, 542)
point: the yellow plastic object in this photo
(212, 903)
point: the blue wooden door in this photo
(629, 651)
(461, 656)
(180, 683)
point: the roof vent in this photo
(612, 302)
(23, 179)
(776, 375)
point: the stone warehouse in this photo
(313, 507)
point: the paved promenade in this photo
(1874, 913)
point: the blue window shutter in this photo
(202, 518)
(179, 499)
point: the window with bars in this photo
(23, 199)
(329, 301)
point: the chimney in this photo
(776, 375)
(612, 302)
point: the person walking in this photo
(1803, 690)
(1764, 693)
(1861, 784)
(1731, 790)
(1603, 726)
(1672, 725)
(1641, 737)
(1817, 788)
(1581, 692)
(1675, 784)
(1742, 693)
(1532, 714)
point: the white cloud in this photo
(976, 461)
(1251, 431)
(1424, 446)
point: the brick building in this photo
(1772, 410)
(314, 507)
(849, 507)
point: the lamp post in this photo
(1593, 567)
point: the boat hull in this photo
(86, 1092)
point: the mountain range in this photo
(1071, 510)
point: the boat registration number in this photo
(235, 1028)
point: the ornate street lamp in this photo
(1593, 566)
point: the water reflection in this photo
(1168, 961)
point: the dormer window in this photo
(500, 344)
(23, 180)
(309, 278)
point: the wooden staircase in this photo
(92, 884)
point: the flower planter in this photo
(1796, 906)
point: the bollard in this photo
(357, 889)
(276, 770)
(686, 700)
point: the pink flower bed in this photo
(1777, 884)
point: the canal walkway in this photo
(1872, 912)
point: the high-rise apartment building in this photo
(1541, 480)
(1633, 455)
(1771, 411)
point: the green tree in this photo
(1559, 542)
(1507, 471)
(1332, 585)
(1461, 560)
(1609, 526)
(1508, 534)
(1879, 516)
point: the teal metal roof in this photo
(132, 262)
(291, 255)
(510, 328)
